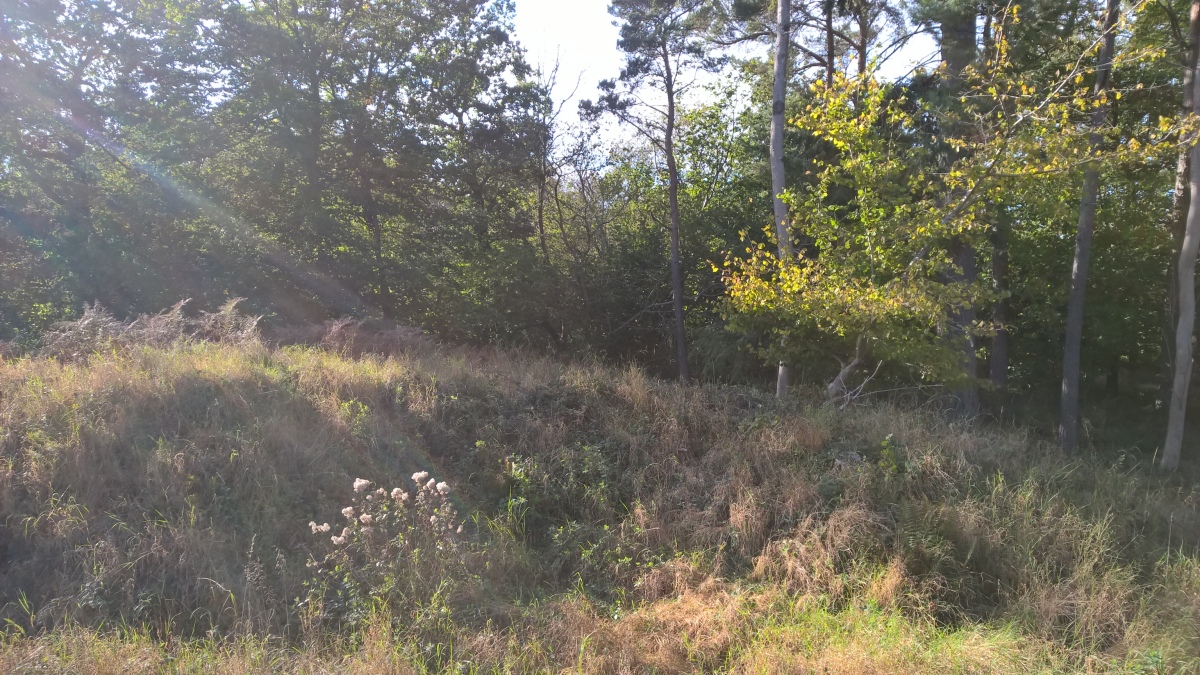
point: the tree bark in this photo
(1186, 286)
(681, 351)
(958, 48)
(962, 318)
(830, 56)
(783, 380)
(1184, 327)
(1189, 53)
(1068, 428)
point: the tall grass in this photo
(156, 503)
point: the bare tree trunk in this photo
(1068, 428)
(1186, 287)
(830, 56)
(1184, 328)
(681, 352)
(779, 97)
(1179, 206)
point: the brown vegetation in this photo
(157, 501)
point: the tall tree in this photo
(1068, 429)
(958, 47)
(663, 44)
(1186, 284)
(778, 183)
(1188, 45)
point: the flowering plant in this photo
(403, 550)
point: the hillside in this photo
(164, 510)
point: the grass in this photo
(157, 501)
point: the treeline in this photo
(973, 225)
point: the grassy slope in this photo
(156, 504)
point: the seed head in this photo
(361, 484)
(443, 488)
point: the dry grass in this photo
(156, 501)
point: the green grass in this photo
(156, 504)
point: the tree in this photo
(1068, 430)
(778, 179)
(663, 45)
(1186, 270)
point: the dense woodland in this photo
(336, 337)
(747, 191)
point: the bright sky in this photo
(580, 34)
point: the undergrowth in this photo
(221, 505)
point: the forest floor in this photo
(164, 511)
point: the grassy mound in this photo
(164, 508)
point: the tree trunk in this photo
(779, 97)
(957, 44)
(958, 48)
(998, 361)
(1068, 428)
(1186, 271)
(681, 352)
(1179, 205)
(962, 318)
(1184, 327)
(830, 56)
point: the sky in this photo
(580, 35)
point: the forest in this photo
(983, 224)
(756, 327)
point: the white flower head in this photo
(348, 512)
(443, 488)
(361, 484)
(345, 532)
(324, 527)
(420, 477)
(380, 492)
(431, 485)
(365, 519)
(337, 541)
(399, 495)
(313, 526)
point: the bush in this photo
(97, 330)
